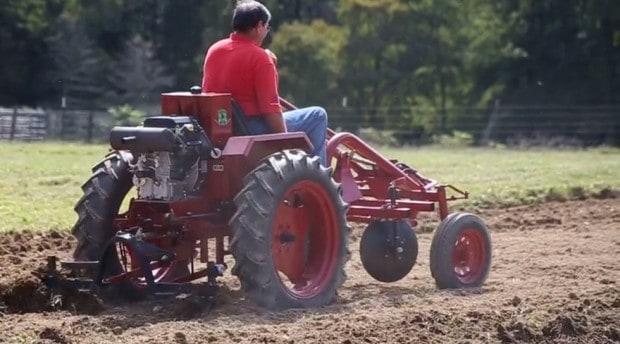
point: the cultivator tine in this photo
(51, 263)
(57, 283)
(78, 275)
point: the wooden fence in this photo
(575, 126)
(23, 124)
(26, 124)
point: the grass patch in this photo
(41, 182)
(501, 177)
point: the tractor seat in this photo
(240, 121)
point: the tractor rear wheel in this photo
(289, 233)
(103, 195)
(460, 252)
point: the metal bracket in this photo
(143, 251)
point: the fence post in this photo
(488, 131)
(62, 124)
(13, 124)
(89, 131)
(46, 123)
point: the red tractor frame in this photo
(207, 189)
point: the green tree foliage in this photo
(188, 28)
(405, 53)
(376, 55)
(310, 62)
(137, 78)
(306, 11)
(112, 22)
(126, 115)
(24, 57)
(568, 51)
(78, 66)
(410, 64)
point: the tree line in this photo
(428, 57)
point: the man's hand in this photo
(273, 56)
(275, 121)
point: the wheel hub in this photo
(468, 255)
(304, 245)
(287, 238)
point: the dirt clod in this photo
(562, 326)
(613, 334)
(25, 295)
(54, 335)
(180, 338)
(55, 235)
(515, 333)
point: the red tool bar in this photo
(380, 212)
(416, 206)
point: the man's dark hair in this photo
(248, 14)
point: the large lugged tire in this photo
(460, 252)
(289, 233)
(103, 196)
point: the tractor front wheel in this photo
(460, 252)
(103, 196)
(289, 233)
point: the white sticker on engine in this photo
(218, 168)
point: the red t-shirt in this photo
(238, 66)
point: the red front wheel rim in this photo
(305, 239)
(469, 256)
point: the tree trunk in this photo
(443, 116)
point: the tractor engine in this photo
(171, 156)
(167, 176)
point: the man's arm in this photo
(275, 121)
(267, 94)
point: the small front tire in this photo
(460, 252)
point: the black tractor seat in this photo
(240, 121)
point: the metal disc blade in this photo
(385, 256)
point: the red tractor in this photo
(197, 186)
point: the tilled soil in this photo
(555, 278)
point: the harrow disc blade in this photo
(388, 249)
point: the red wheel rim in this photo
(469, 256)
(129, 261)
(305, 239)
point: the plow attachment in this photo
(388, 195)
(379, 188)
(129, 268)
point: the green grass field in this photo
(41, 182)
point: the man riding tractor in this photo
(239, 66)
